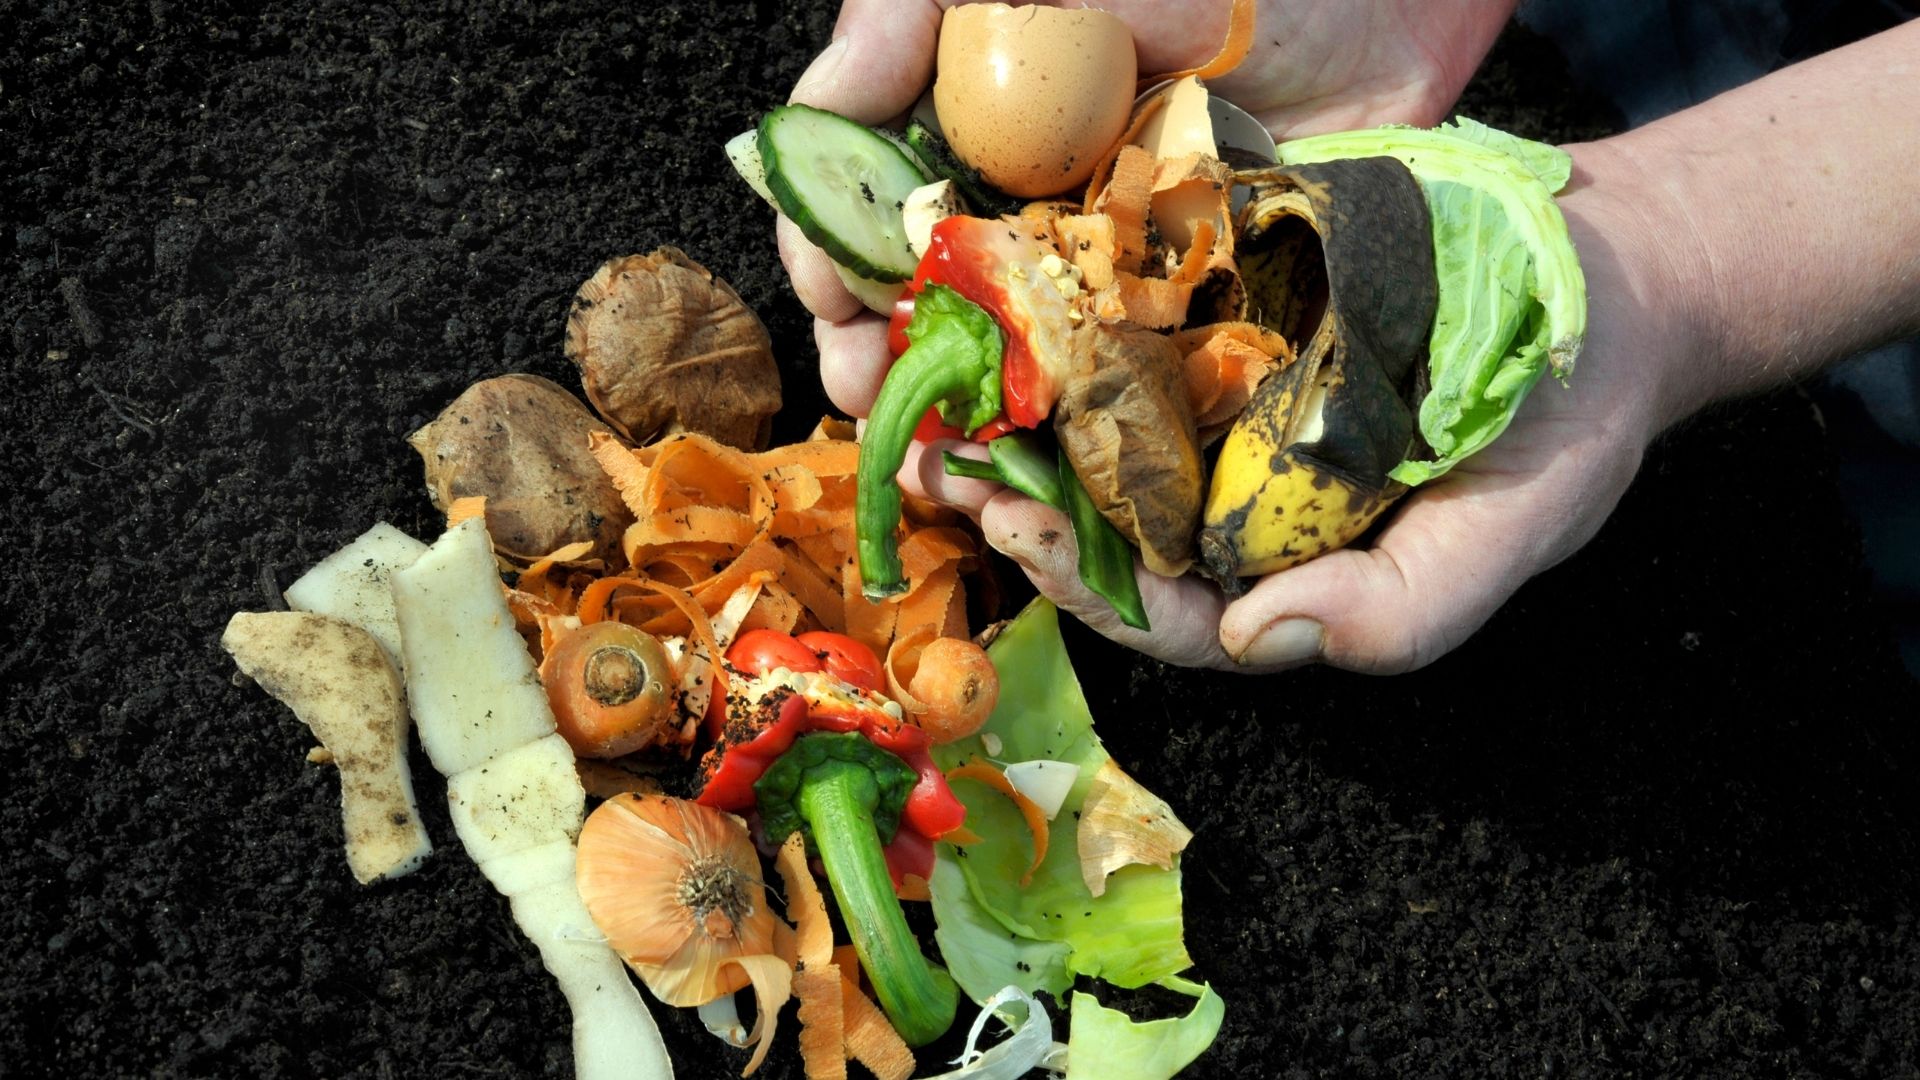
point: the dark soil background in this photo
(1657, 819)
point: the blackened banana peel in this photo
(1339, 254)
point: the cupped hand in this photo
(1455, 550)
(1316, 65)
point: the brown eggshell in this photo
(1033, 96)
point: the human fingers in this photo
(1184, 613)
(814, 280)
(879, 61)
(1437, 573)
(853, 361)
(925, 475)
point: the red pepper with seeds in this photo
(982, 346)
(760, 719)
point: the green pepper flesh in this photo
(836, 783)
(953, 362)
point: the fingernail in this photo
(1285, 641)
(820, 73)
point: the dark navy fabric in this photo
(1653, 57)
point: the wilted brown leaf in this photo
(1124, 422)
(663, 347)
(521, 442)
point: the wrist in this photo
(1653, 298)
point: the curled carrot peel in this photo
(707, 516)
(1036, 817)
(868, 1038)
(902, 662)
(702, 629)
(596, 601)
(465, 507)
(817, 979)
(1104, 170)
(1232, 52)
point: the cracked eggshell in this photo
(1033, 96)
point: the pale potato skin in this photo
(351, 584)
(515, 798)
(471, 683)
(337, 679)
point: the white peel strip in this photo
(1030, 1045)
(484, 719)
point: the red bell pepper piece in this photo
(932, 809)
(897, 342)
(993, 429)
(998, 267)
(757, 730)
(755, 734)
(933, 427)
(909, 853)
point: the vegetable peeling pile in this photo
(690, 751)
(711, 713)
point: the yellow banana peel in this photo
(1339, 254)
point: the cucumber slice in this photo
(843, 185)
(938, 158)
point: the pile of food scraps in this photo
(743, 656)
(638, 610)
(1215, 355)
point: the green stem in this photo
(1028, 460)
(919, 379)
(1106, 559)
(837, 799)
(968, 467)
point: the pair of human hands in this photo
(1454, 551)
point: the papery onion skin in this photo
(676, 887)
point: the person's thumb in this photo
(879, 62)
(1435, 575)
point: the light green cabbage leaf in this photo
(991, 931)
(1103, 1044)
(1513, 302)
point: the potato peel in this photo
(337, 679)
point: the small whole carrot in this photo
(957, 684)
(611, 688)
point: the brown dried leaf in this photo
(1122, 823)
(1124, 422)
(520, 441)
(663, 346)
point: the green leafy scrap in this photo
(1513, 302)
(995, 933)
